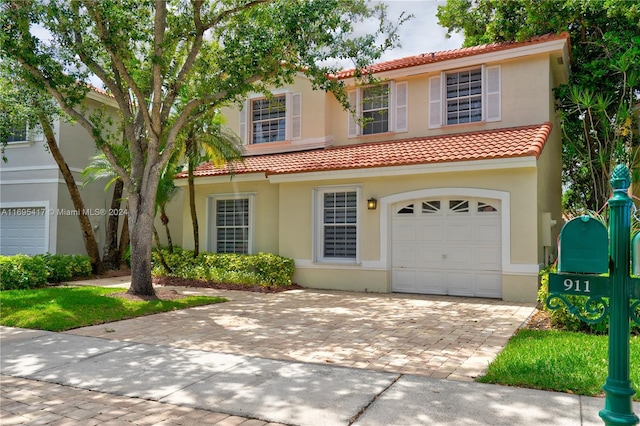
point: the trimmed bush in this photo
(21, 272)
(563, 319)
(63, 267)
(264, 269)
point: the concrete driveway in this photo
(439, 337)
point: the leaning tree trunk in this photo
(111, 259)
(124, 239)
(192, 207)
(165, 222)
(163, 261)
(88, 236)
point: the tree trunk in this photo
(124, 239)
(165, 222)
(111, 258)
(90, 244)
(141, 215)
(163, 261)
(192, 207)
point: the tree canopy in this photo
(596, 107)
(149, 54)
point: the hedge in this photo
(23, 272)
(264, 269)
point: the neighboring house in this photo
(452, 184)
(36, 211)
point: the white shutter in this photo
(401, 105)
(244, 113)
(296, 116)
(493, 109)
(435, 102)
(354, 128)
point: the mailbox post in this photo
(618, 287)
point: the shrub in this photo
(62, 267)
(22, 272)
(564, 319)
(263, 269)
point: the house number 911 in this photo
(575, 285)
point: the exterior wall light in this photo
(372, 203)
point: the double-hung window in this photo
(230, 224)
(276, 118)
(378, 109)
(336, 227)
(465, 96)
(18, 132)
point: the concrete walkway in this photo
(186, 367)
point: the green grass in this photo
(64, 308)
(558, 360)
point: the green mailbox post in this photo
(581, 262)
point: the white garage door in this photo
(447, 246)
(22, 231)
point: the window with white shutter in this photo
(271, 119)
(465, 96)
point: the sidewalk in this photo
(264, 390)
(91, 376)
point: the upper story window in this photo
(465, 96)
(271, 119)
(379, 109)
(268, 119)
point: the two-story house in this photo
(450, 185)
(36, 211)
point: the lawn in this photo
(558, 360)
(64, 308)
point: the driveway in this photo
(439, 337)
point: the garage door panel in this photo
(404, 231)
(405, 256)
(488, 232)
(458, 231)
(488, 258)
(459, 257)
(418, 281)
(430, 257)
(430, 232)
(460, 283)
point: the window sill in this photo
(19, 144)
(374, 135)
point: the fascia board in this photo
(450, 167)
(471, 60)
(245, 177)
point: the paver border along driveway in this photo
(435, 336)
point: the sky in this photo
(421, 34)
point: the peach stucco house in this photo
(451, 186)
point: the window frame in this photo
(282, 100)
(466, 97)
(212, 222)
(319, 225)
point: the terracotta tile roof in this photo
(432, 57)
(526, 141)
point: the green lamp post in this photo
(584, 278)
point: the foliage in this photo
(64, 308)
(149, 55)
(563, 319)
(558, 360)
(63, 267)
(262, 269)
(596, 106)
(22, 271)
